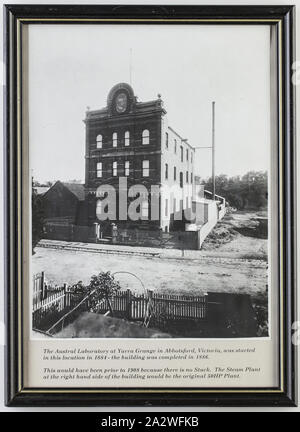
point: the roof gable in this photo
(76, 188)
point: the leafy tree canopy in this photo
(249, 191)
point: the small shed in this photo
(62, 202)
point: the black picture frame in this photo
(18, 15)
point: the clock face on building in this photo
(121, 102)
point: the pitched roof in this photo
(76, 188)
(40, 190)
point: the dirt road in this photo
(190, 275)
(239, 265)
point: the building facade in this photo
(132, 140)
(133, 160)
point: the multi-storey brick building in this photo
(130, 145)
(132, 139)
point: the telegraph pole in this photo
(212, 147)
(213, 153)
(130, 67)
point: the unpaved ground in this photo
(239, 265)
(91, 325)
(172, 275)
(229, 237)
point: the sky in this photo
(72, 67)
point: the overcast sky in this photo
(74, 66)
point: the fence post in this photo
(149, 308)
(43, 286)
(65, 295)
(150, 294)
(129, 304)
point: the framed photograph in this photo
(150, 205)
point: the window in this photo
(181, 179)
(191, 177)
(99, 169)
(145, 209)
(181, 153)
(187, 176)
(174, 173)
(145, 168)
(167, 139)
(145, 137)
(191, 157)
(127, 138)
(187, 154)
(174, 205)
(127, 168)
(166, 207)
(187, 202)
(115, 169)
(115, 139)
(166, 171)
(99, 141)
(175, 146)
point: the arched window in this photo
(115, 139)
(145, 209)
(145, 137)
(99, 141)
(127, 138)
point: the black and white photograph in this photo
(149, 155)
(150, 170)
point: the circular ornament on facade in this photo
(120, 99)
(121, 102)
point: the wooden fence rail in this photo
(125, 304)
(170, 307)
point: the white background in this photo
(2, 407)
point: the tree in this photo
(105, 287)
(248, 191)
(37, 218)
